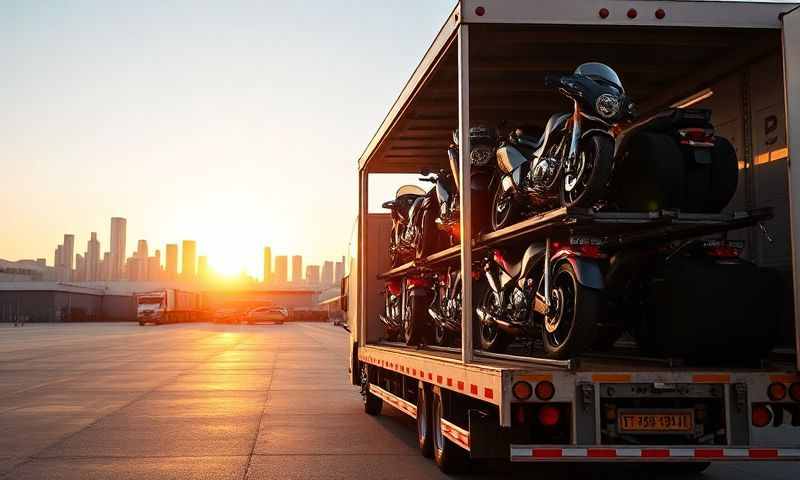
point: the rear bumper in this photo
(539, 453)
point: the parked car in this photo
(267, 314)
(227, 315)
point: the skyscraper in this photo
(297, 269)
(80, 268)
(312, 274)
(93, 258)
(68, 255)
(267, 265)
(339, 272)
(117, 247)
(154, 266)
(105, 266)
(140, 262)
(172, 261)
(281, 269)
(327, 273)
(188, 267)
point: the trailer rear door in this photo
(791, 69)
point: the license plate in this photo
(655, 422)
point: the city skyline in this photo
(97, 262)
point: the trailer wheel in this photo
(449, 457)
(372, 404)
(424, 436)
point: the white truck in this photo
(741, 59)
(168, 305)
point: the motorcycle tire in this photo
(573, 326)
(599, 151)
(442, 337)
(710, 187)
(428, 243)
(416, 324)
(510, 216)
(491, 338)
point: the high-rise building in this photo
(267, 265)
(117, 247)
(93, 258)
(339, 271)
(80, 268)
(297, 269)
(172, 261)
(327, 273)
(141, 262)
(68, 255)
(202, 267)
(131, 270)
(105, 266)
(154, 267)
(188, 266)
(312, 274)
(281, 269)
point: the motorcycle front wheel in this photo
(588, 184)
(571, 326)
(504, 211)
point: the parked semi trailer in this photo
(487, 64)
(168, 305)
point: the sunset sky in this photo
(237, 124)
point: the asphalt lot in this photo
(120, 401)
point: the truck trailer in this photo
(168, 305)
(487, 64)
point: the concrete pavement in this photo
(120, 401)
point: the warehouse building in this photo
(59, 302)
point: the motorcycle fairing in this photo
(587, 272)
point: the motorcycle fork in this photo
(574, 139)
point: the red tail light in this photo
(549, 415)
(393, 287)
(724, 249)
(697, 137)
(419, 282)
(761, 416)
(587, 247)
(776, 391)
(794, 392)
(545, 390)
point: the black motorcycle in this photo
(570, 164)
(516, 304)
(406, 223)
(392, 315)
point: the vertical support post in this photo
(791, 89)
(465, 193)
(361, 261)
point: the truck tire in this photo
(424, 435)
(372, 404)
(449, 457)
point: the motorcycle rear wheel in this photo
(416, 325)
(590, 184)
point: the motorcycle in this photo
(565, 307)
(445, 309)
(570, 164)
(405, 230)
(417, 296)
(392, 315)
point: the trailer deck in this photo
(618, 229)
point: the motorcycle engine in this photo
(542, 176)
(519, 303)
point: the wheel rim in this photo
(422, 418)
(575, 185)
(558, 325)
(438, 436)
(489, 332)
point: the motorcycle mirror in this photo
(425, 171)
(388, 205)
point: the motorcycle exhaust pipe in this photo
(489, 319)
(442, 321)
(387, 322)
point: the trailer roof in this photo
(516, 42)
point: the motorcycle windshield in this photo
(409, 190)
(602, 72)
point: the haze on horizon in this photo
(236, 124)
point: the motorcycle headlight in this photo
(480, 156)
(607, 105)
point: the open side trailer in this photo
(486, 65)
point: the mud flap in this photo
(487, 439)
